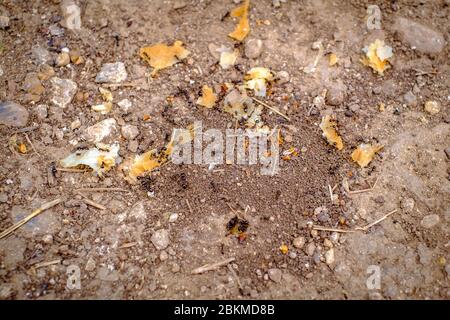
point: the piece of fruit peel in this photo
(161, 56)
(100, 159)
(243, 28)
(208, 98)
(328, 126)
(377, 56)
(364, 153)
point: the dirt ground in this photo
(112, 252)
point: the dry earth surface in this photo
(147, 241)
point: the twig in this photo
(271, 108)
(365, 228)
(128, 245)
(31, 144)
(27, 129)
(101, 190)
(189, 206)
(235, 276)
(71, 170)
(17, 225)
(124, 84)
(212, 266)
(331, 193)
(94, 204)
(46, 263)
(332, 229)
(364, 190)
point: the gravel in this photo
(112, 73)
(160, 239)
(13, 114)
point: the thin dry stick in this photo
(235, 276)
(93, 204)
(332, 229)
(365, 228)
(331, 192)
(124, 84)
(212, 266)
(271, 108)
(31, 144)
(364, 190)
(101, 190)
(189, 206)
(128, 245)
(71, 170)
(17, 225)
(46, 263)
(27, 129)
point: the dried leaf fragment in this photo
(100, 159)
(328, 127)
(364, 153)
(377, 56)
(208, 98)
(243, 27)
(161, 56)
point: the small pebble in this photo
(432, 107)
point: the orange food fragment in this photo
(284, 249)
(328, 127)
(208, 98)
(365, 153)
(22, 148)
(161, 56)
(243, 27)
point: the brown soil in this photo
(413, 165)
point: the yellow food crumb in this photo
(333, 59)
(161, 56)
(377, 55)
(22, 148)
(208, 98)
(243, 27)
(328, 127)
(364, 154)
(284, 249)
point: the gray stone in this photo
(310, 248)
(112, 73)
(160, 239)
(3, 197)
(419, 36)
(100, 130)
(138, 211)
(336, 94)
(12, 250)
(71, 14)
(40, 55)
(129, 132)
(4, 22)
(425, 254)
(253, 48)
(63, 91)
(125, 105)
(90, 265)
(283, 77)
(275, 275)
(6, 291)
(299, 242)
(430, 221)
(410, 99)
(41, 111)
(13, 114)
(105, 274)
(407, 204)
